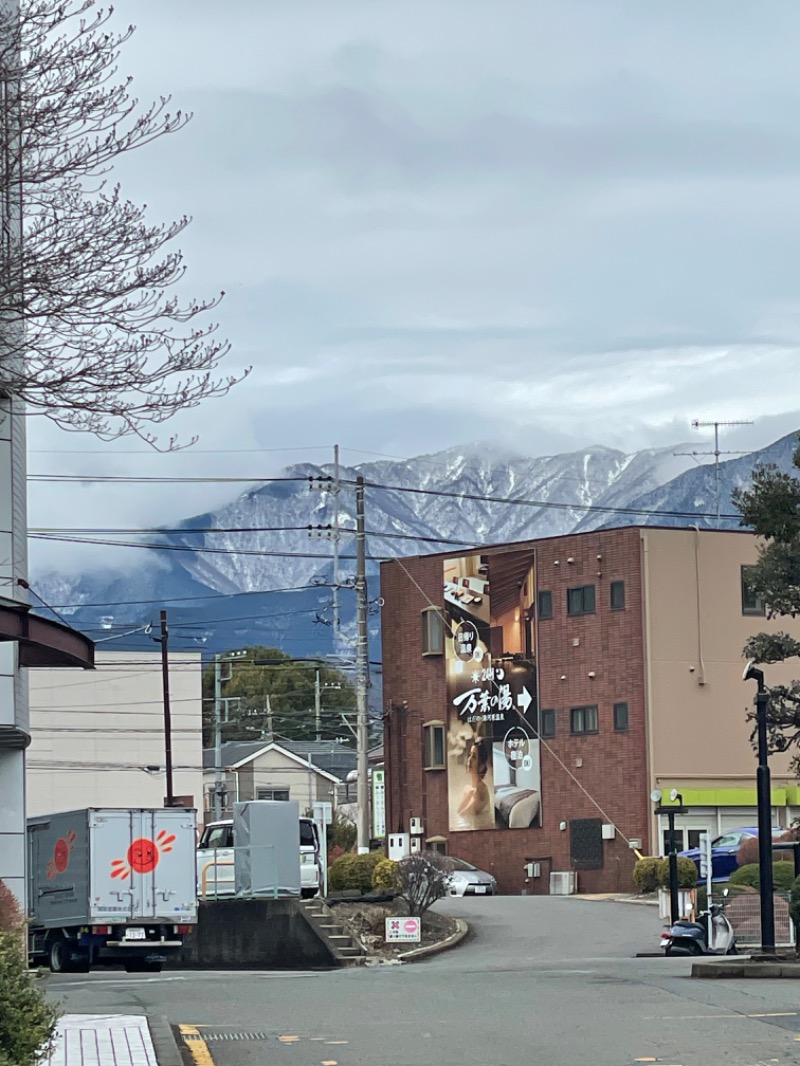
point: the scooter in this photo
(710, 934)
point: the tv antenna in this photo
(696, 424)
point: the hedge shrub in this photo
(687, 872)
(353, 872)
(384, 876)
(749, 875)
(645, 873)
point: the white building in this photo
(98, 736)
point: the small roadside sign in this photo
(399, 929)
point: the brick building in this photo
(536, 693)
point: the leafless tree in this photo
(421, 880)
(93, 333)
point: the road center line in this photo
(198, 1048)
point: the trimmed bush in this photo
(353, 872)
(749, 876)
(645, 873)
(687, 872)
(27, 1020)
(384, 876)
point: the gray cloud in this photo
(549, 224)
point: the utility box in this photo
(563, 883)
(399, 846)
(266, 856)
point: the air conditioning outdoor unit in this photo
(415, 826)
(563, 883)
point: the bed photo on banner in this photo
(493, 765)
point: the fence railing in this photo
(258, 873)
(743, 911)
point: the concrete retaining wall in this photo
(253, 934)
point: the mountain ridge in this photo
(460, 495)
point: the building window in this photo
(281, 794)
(620, 717)
(617, 595)
(583, 719)
(545, 604)
(433, 747)
(432, 632)
(547, 722)
(580, 600)
(751, 604)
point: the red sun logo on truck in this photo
(143, 856)
(61, 852)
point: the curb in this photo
(165, 1044)
(433, 949)
(747, 970)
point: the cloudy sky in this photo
(549, 223)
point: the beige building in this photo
(306, 771)
(98, 736)
(698, 615)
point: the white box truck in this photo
(111, 885)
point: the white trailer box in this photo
(267, 859)
(111, 883)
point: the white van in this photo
(215, 874)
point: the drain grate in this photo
(212, 1037)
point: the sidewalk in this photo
(103, 1040)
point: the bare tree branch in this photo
(95, 337)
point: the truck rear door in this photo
(173, 877)
(112, 889)
(143, 865)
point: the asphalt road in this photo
(540, 980)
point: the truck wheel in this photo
(58, 955)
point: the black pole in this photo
(764, 795)
(674, 908)
(170, 800)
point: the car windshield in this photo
(728, 840)
(461, 864)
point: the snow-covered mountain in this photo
(477, 494)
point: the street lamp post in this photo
(670, 811)
(764, 799)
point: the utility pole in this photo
(764, 800)
(317, 707)
(362, 672)
(163, 640)
(217, 738)
(335, 542)
(716, 453)
(270, 721)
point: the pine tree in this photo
(771, 507)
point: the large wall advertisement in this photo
(493, 764)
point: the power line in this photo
(187, 599)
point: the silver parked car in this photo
(468, 880)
